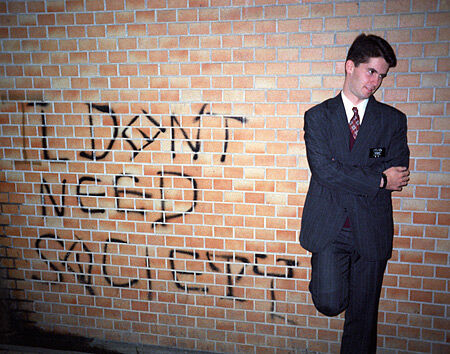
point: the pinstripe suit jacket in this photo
(346, 183)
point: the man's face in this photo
(363, 80)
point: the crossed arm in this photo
(355, 179)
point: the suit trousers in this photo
(343, 280)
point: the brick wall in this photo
(153, 168)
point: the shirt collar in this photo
(349, 107)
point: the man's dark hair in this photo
(369, 46)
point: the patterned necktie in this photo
(354, 123)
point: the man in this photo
(358, 154)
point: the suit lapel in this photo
(339, 121)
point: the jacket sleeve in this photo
(398, 151)
(327, 170)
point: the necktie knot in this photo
(354, 123)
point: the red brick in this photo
(268, 63)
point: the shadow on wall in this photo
(19, 335)
(16, 329)
(31, 336)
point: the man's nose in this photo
(375, 79)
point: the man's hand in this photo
(397, 178)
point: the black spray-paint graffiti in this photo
(148, 196)
(75, 258)
(94, 196)
(101, 116)
(67, 260)
(148, 140)
(105, 151)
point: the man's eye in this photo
(372, 72)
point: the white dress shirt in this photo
(349, 108)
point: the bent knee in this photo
(329, 304)
(328, 310)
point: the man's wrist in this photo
(383, 181)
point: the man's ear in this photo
(349, 66)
